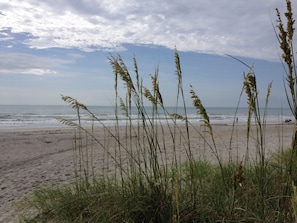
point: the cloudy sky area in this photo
(49, 47)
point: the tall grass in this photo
(144, 177)
(285, 36)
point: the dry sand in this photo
(33, 158)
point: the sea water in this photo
(48, 116)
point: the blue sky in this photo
(48, 48)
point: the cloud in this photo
(30, 71)
(240, 28)
(4, 36)
(20, 63)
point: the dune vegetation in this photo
(148, 179)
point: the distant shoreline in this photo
(47, 116)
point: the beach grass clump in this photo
(105, 201)
(143, 177)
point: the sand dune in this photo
(33, 158)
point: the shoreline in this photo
(32, 158)
(196, 123)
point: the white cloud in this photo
(5, 36)
(30, 71)
(19, 63)
(241, 28)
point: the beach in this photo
(37, 157)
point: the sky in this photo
(49, 48)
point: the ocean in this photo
(46, 116)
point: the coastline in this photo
(33, 158)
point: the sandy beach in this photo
(32, 158)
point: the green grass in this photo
(133, 201)
(146, 179)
